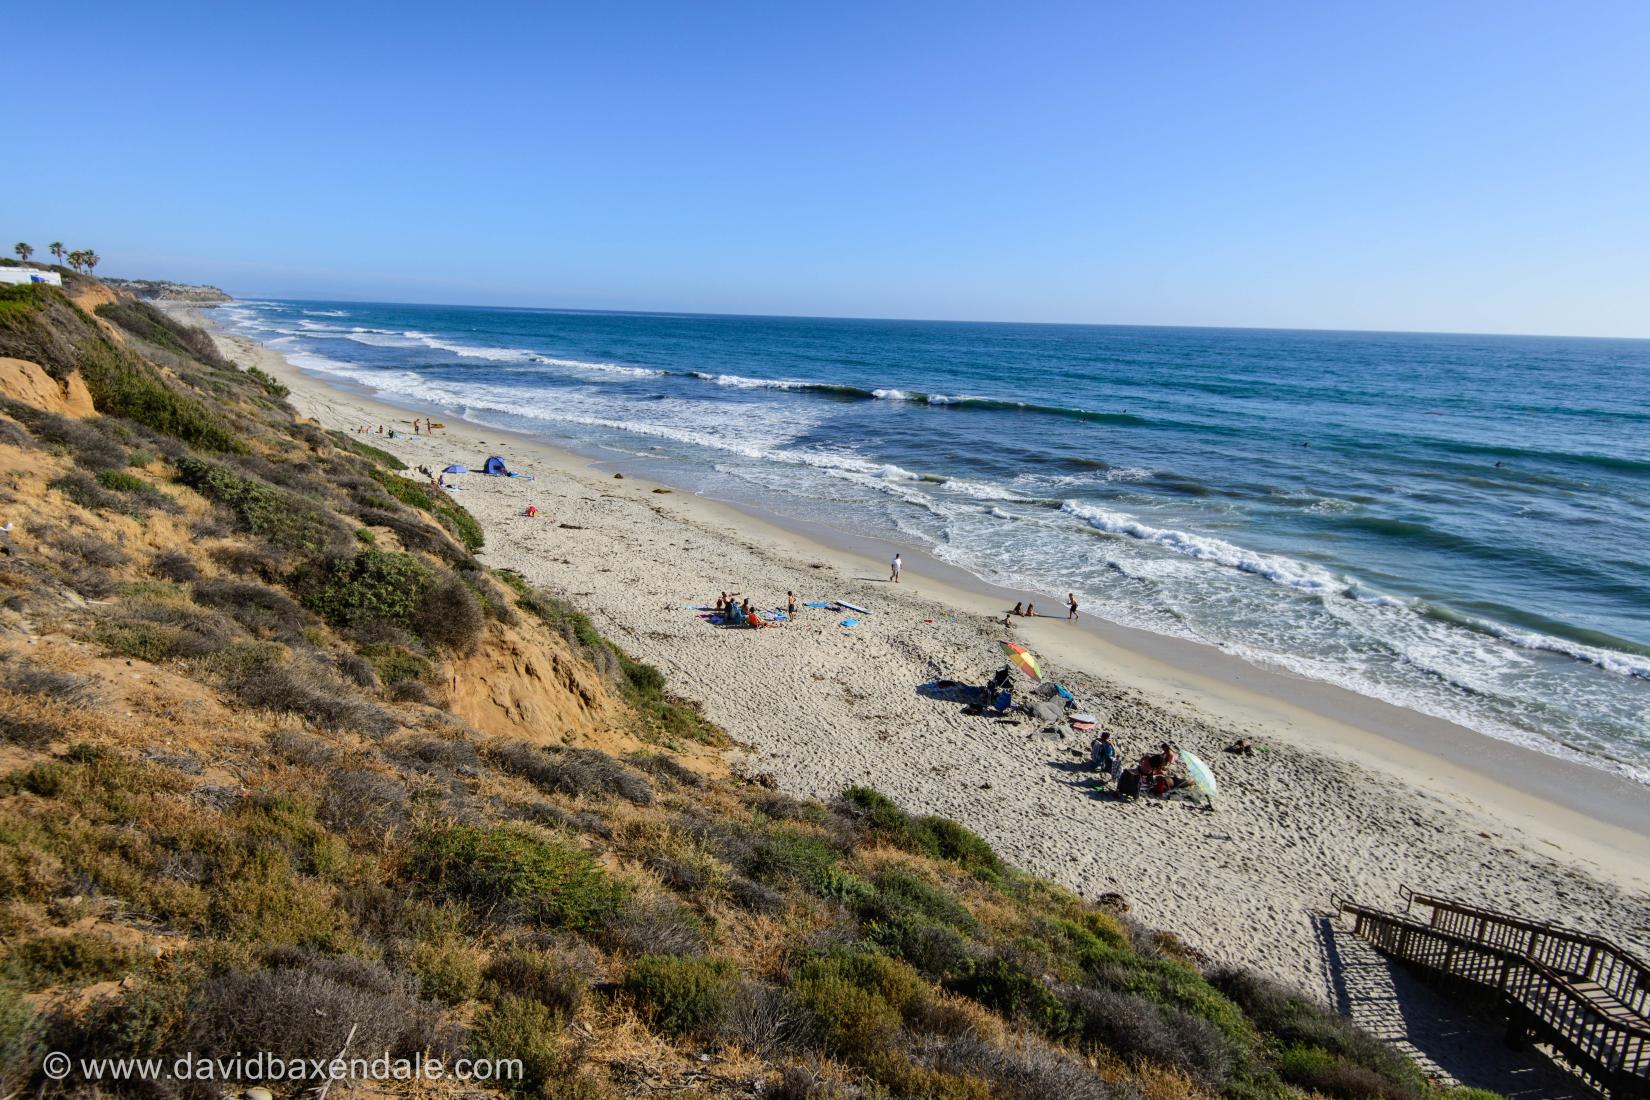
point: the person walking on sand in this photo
(894, 569)
(790, 604)
(1071, 602)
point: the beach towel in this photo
(816, 605)
(849, 622)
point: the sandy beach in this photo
(1346, 796)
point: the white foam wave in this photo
(1610, 660)
(739, 381)
(831, 460)
(1273, 567)
(605, 368)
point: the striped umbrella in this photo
(1021, 658)
(1200, 774)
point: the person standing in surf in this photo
(894, 569)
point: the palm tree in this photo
(90, 259)
(24, 250)
(56, 249)
(77, 258)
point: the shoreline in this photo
(1354, 796)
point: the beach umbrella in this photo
(1021, 658)
(1200, 773)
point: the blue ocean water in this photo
(1454, 523)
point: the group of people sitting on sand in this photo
(1156, 773)
(735, 612)
(1029, 610)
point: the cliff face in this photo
(160, 289)
(284, 766)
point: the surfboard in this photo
(1089, 718)
(846, 606)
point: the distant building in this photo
(29, 275)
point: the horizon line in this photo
(933, 320)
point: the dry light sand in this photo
(1346, 797)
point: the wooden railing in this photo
(1512, 960)
(1575, 954)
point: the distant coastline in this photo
(162, 290)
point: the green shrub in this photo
(393, 663)
(264, 899)
(284, 518)
(366, 450)
(448, 970)
(891, 979)
(447, 511)
(681, 995)
(945, 839)
(903, 896)
(852, 1021)
(517, 870)
(144, 320)
(75, 959)
(570, 770)
(537, 976)
(144, 641)
(270, 384)
(123, 385)
(1139, 1029)
(122, 482)
(938, 837)
(1332, 1075)
(369, 586)
(797, 857)
(1004, 985)
(20, 1040)
(448, 616)
(86, 492)
(1295, 1022)
(522, 1030)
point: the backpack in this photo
(1128, 784)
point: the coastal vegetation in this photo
(284, 763)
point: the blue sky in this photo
(1457, 166)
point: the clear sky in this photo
(1445, 165)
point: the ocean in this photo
(1456, 524)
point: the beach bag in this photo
(1128, 784)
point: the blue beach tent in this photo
(455, 468)
(496, 467)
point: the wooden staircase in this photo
(1582, 997)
